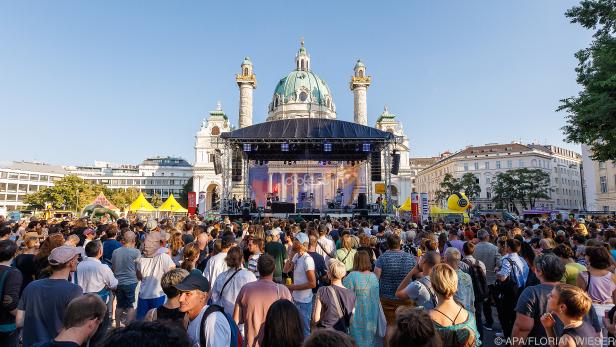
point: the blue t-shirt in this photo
(108, 247)
(44, 302)
(394, 265)
(613, 253)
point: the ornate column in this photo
(269, 182)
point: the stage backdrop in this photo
(322, 181)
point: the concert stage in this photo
(310, 216)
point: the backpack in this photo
(320, 272)
(236, 337)
(509, 289)
(480, 283)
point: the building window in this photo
(486, 165)
(601, 165)
(303, 95)
(521, 163)
(603, 184)
(476, 166)
(509, 164)
(498, 166)
(465, 166)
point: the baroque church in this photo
(300, 94)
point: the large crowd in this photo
(288, 283)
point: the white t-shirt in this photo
(217, 330)
(325, 247)
(152, 270)
(227, 300)
(302, 264)
(215, 266)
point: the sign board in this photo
(424, 206)
(192, 203)
(415, 206)
(379, 188)
(202, 203)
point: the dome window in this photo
(215, 131)
(303, 96)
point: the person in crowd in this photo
(170, 310)
(255, 299)
(533, 301)
(514, 267)
(190, 257)
(211, 330)
(123, 266)
(329, 338)
(10, 286)
(255, 248)
(97, 278)
(453, 240)
(277, 250)
(88, 234)
(217, 263)
(570, 304)
(149, 270)
(598, 281)
(455, 325)
(320, 266)
(572, 269)
(326, 247)
(334, 304)
(477, 272)
(202, 240)
(304, 278)
(41, 260)
(282, 323)
(229, 283)
(43, 302)
(390, 268)
(24, 262)
(464, 294)
(82, 319)
(487, 253)
(148, 334)
(420, 291)
(110, 244)
(346, 253)
(416, 326)
(175, 246)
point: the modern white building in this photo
(299, 94)
(156, 175)
(485, 162)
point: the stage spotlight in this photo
(366, 147)
(356, 148)
(329, 162)
(256, 148)
(247, 147)
(327, 147)
(284, 147)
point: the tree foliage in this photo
(157, 200)
(74, 193)
(591, 115)
(451, 185)
(188, 187)
(522, 186)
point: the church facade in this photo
(300, 94)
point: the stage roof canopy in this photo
(308, 139)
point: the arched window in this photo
(361, 73)
(390, 130)
(245, 71)
(303, 65)
(215, 131)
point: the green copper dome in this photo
(291, 86)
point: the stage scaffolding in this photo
(303, 140)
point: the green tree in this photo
(123, 198)
(69, 192)
(157, 200)
(450, 185)
(523, 186)
(470, 186)
(188, 187)
(591, 115)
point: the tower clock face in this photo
(303, 96)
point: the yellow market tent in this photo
(406, 206)
(171, 205)
(141, 205)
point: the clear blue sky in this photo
(118, 81)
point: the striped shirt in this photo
(487, 253)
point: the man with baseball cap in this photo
(304, 278)
(214, 329)
(43, 302)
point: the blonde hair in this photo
(336, 269)
(444, 280)
(576, 300)
(347, 242)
